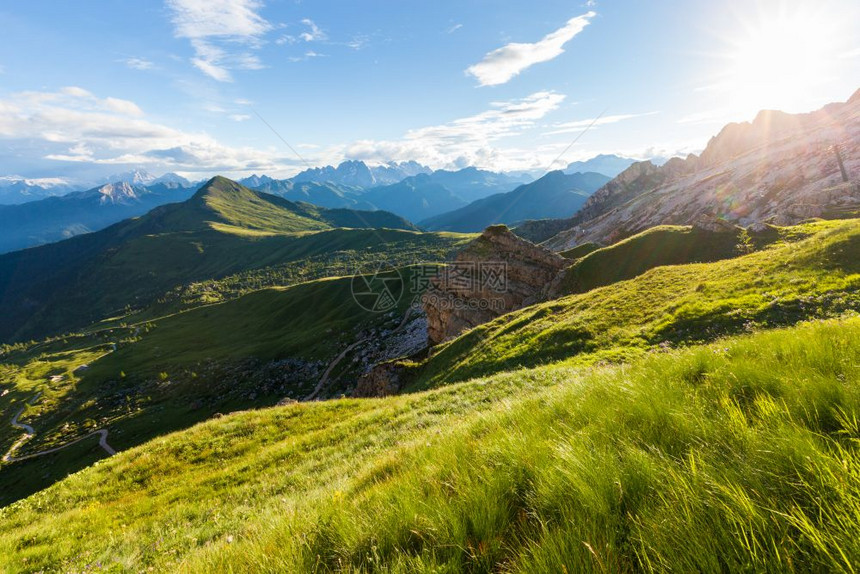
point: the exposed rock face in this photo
(382, 380)
(495, 274)
(627, 185)
(779, 168)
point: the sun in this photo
(778, 58)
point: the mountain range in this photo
(222, 229)
(416, 197)
(57, 218)
(607, 164)
(778, 169)
(556, 192)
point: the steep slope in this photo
(168, 373)
(658, 246)
(554, 193)
(222, 230)
(780, 168)
(57, 218)
(813, 271)
(690, 460)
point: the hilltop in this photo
(223, 229)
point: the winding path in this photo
(324, 379)
(30, 432)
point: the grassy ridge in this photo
(737, 456)
(814, 272)
(224, 229)
(658, 246)
(136, 273)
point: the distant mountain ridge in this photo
(608, 164)
(57, 218)
(554, 193)
(354, 185)
(222, 229)
(358, 174)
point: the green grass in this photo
(663, 245)
(173, 372)
(580, 251)
(738, 456)
(813, 273)
(224, 230)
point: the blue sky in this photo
(88, 89)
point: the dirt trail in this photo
(30, 432)
(324, 379)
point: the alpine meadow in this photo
(452, 287)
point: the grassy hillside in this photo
(224, 230)
(813, 271)
(664, 245)
(146, 379)
(737, 456)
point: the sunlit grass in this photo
(741, 455)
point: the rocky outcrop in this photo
(382, 380)
(713, 224)
(639, 178)
(779, 168)
(495, 274)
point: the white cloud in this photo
(139, 64)
(76, 92)
(80, 129)
(465, 141)
(454, 28)
(240, 117)
(501, 65)
(579, 125)
(122, 107)
(216, 28)
(306, 56)
(315, 34)
(855, 53)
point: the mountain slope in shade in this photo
(326, 194)
(223, 229)
(609, 165)
(415, 198)
(554, 193)
(471, 183)
(57, 218)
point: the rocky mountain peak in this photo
(119, 192)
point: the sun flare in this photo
(779, 58)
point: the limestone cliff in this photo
(495, 274)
